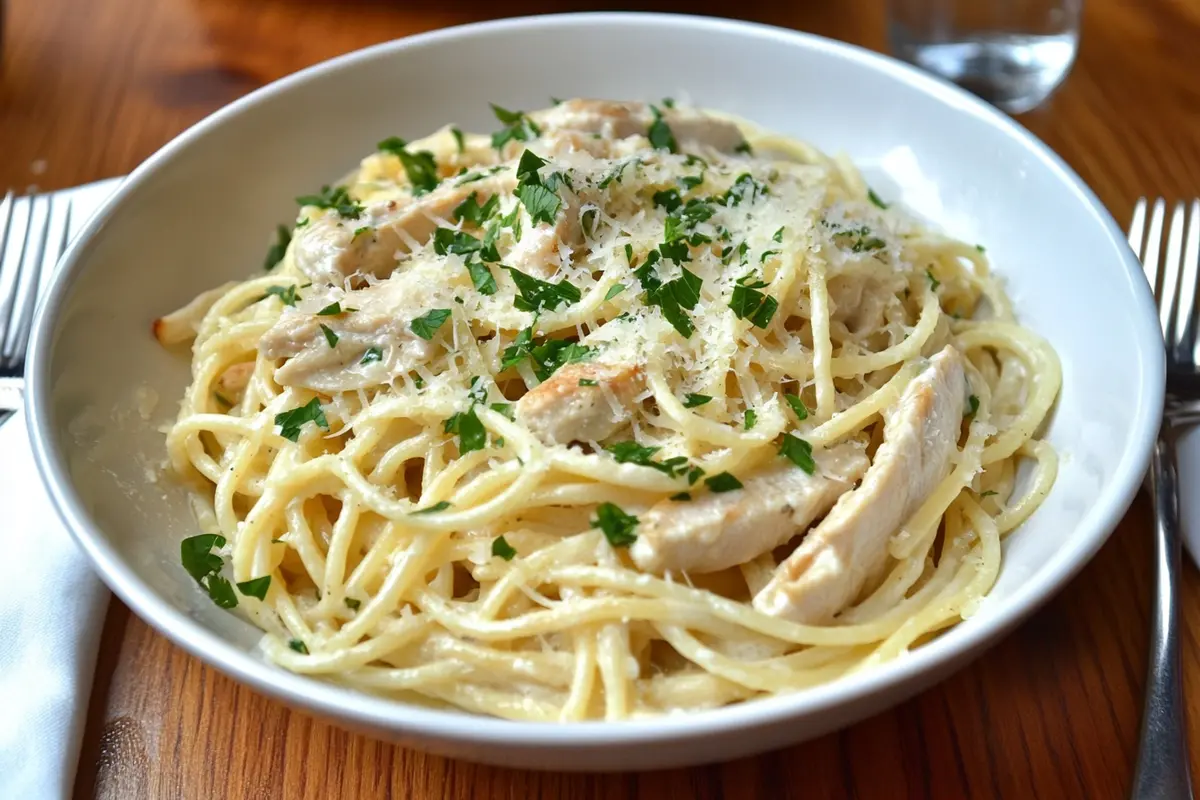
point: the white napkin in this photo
(52, 610)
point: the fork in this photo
(33, 234)
(1162, 769)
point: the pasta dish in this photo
(621, 410)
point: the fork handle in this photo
(1162, 771)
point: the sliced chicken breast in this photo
(615, 120)
(720, 530)
(848, 550)
(328, 251)
(381, 319)
(563, 410)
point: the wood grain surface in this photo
(89, 89)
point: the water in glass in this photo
(1013, 53)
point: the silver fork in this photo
(33, 234)
(1162, 767)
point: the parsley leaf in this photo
(352, 603)
(392, 144)
(283, 237)
(299, 646)
(668, 199)
(471, 433)
(633, 453)
(287, 294)
(255, 587)
(616, 525)
(988, 493)
(536, 295)
(750, 419)
(680, 497)
(481, 277)
(747, 301)
(588, 382)
(336, 198)
(331, 310)
(290, 422)
(696, 400)
(433, 509)
(471, 211)
(420, 167)
(516, 126)
(502, 549)
(745, 188)
(616, 172)
(744, 147)
(723, 482)
(972, 406)
(614, 291)
(540, 203)
(981, 248)
(874, 198)
(555, 353)
(372, 355)
(428, 323)
(934, 283)
(458, 138)
(505, 409)
(778, 235)
(799, 452)
(330, 336)
(205, 567)
(448, 240)
(659, 134)
(798, 407)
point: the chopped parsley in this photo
(616, 525)
(778, 236)
(723, 482)
(767, 254)
(614, 291)
(352, 603)
(290, 422)
(540, 201)
(299, 646)
(744, 189)
(587, 382)
(516, 126)
(668, 199)
(634, 453)
(616, 172)
(681, 497)
(504, 409)
(331, 310)
(799, 452)
(988, 493)
(536, 295)
(860, 239)
(502, 549)
(360, 231)
(750, 419)
(336, 198)
(255, 587)
(981, 248)
(420, 167)
(330, 336)
(481, 277)
(660, 134)
(373, 354)
(433, 509)
(205, 567)
(972, 406)
(934, 283)
(673, 297)
(428, 323)
(696, 400)
(471, 211)
(283, 237)
(874, 198)
(748, 302)
(471, 433)
(668, 102)
(588, 222)
(286, 294)
(797, 405)
(458, 138)
(744, 147)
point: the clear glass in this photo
(1012, 53)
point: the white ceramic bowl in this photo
(201, 210)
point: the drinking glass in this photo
(1012, 53)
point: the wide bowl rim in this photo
(350, 706)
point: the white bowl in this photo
(201, 210)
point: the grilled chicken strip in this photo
(561, 410)
(720, 530)
(328, 251)
(848, 550)
(615, 120)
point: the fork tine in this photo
(1150, 262)
(25, 296)
(1137, 227)
(17, 217)
(1185, 318)
(1172, 265)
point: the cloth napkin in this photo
(52, 610)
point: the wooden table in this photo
(90, 89)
